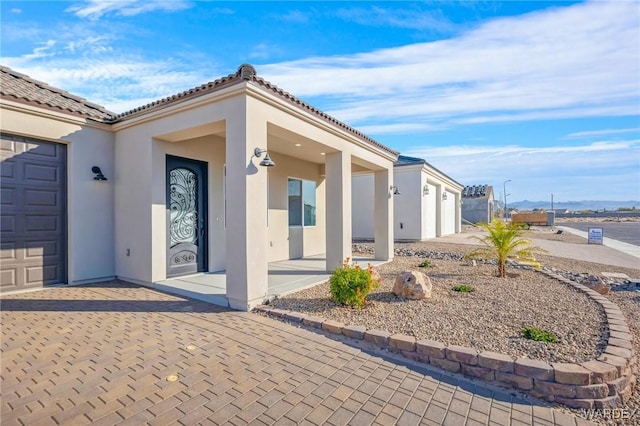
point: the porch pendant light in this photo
(267, 162)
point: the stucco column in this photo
(383, 214)
(338, 208)
(246, 209)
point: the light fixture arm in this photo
(267, 162)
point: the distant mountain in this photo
(574, 205)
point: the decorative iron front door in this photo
(187, 216)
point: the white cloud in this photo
(576, 61)
(379, 129)
(95, 9)
(93, 44)
(571, 172)
(16, 11)
(397, 17)
(296, 16)
(598, 133)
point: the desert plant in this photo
(505, 242)
(534, 333)
(425, 264)
(463, 288)
(350, 284)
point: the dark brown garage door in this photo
(33, 213)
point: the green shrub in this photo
(350, 284)
(533, 333)
(463, 288)
(425, 264)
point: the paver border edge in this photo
(604, 382)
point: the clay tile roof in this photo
(187, 94)
(22, 88)
(247, 72)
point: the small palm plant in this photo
(505, 242)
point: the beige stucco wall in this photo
(313, 237)
(140, 207)
(90, 221)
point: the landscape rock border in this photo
(602, 383)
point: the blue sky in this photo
(546, 94)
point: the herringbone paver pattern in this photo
(105, 354)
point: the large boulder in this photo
(412, 285)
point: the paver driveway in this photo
(102, 353)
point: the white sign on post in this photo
(596, 236)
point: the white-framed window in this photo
(302, 202)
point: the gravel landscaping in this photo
(492, 316)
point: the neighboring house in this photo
(478, 204)
(426, 203)
(185, 191)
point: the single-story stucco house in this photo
(426, 202)
(478, 203)
(179, 187)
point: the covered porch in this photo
(283, 277)
(195, 194)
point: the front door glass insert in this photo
(183, 198)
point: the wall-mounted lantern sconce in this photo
(394, 189)
(267, 162)
(444, 196)
(98, 172)
(425, 190)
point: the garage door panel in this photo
(8, 278)
(8, 251)
(42, 223)
(8, 224)
(45, 274)
(7, 147)
(41, 173)
(8, 169)
(47, 150)
(8, 197)
(42, 198)
(42, 249)
(33, 219)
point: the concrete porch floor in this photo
(284, 277)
